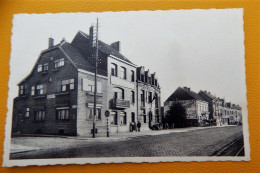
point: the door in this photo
(150, 119)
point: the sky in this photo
(200, 49)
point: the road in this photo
(224, 141)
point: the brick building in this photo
(196, 107)
(57, 97)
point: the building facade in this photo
(196, 107)
(224, 113)
(57, 97)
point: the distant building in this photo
(57, 97)
(223, 112)
(197, 108)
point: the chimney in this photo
(91, 34)
(51, 42)
(116, 45)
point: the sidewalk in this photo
(126, 135)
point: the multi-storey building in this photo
(223, 112)
(148, 98)
(214, 105)
(57, 97)
(196, 107)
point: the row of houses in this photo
(57, 97)
(204, 106)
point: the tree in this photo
(176, 115)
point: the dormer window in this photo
(155, 82)
(114, 69)
(39, 68)
(59, 63)
(142, 77)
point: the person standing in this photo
(139, 126)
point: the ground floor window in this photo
(62, 114)
(91, 113)
(39, 115)
(123, 118)
(27, 112)
(113, 118)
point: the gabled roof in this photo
(106, 48)
(209, 95)
(74, 54)
(184, 94)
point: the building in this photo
(148, 101)
(223, 112)
(214, 105)
(57, 97)
(197, 108)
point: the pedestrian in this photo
(139, 126)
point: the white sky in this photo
(201, 49)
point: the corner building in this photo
(57, 97)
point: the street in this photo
(222, 141)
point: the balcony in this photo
(120, 104)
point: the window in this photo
(45, 67)
(123, 73)
(133, 96)
(132, 76)
(23, 89)
(27, 112)
(67, 85)
(98, 113)
(33, 90)
(142, 97)
(142, 77)
(149, 80)
(59, 63)
(89, 85)
(113, 118)
(41, 89)
(155, 82)
(123, 118)
(39, 115)
(150, 97)
(114, 69)
(119, 93)
(62, 114)
(39, 68)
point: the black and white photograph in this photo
(130, 86)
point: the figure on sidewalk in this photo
(139, 126)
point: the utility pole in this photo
(95, 93)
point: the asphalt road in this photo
(226, 141)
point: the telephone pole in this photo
(95, 92)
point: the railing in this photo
(118, 103)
